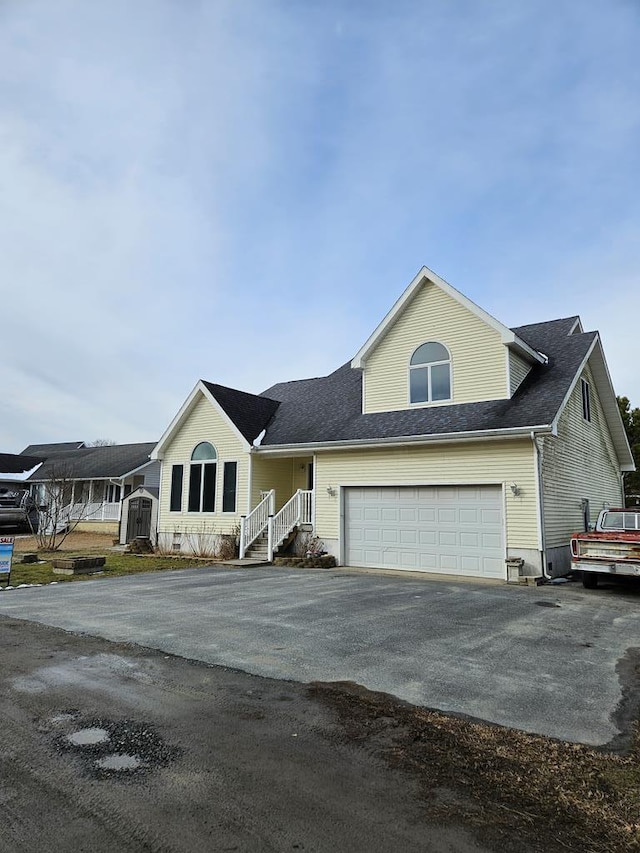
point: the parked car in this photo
(612, 548)
(18, 509)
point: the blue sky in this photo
(239, 191)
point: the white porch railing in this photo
(253, 524)
(94, 511)
(298, 510)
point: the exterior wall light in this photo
(331, 491)
(515, 489)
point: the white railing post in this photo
(270, 538)
(272, 502)
(243, 519)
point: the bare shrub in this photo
(309, 545)
(229, 547)
(59, 513)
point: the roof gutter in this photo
(403, 441)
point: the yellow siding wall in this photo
(486, 462)
(580, 463)
(518, 370)
(204, 423)
(478, 356)
(301, 473)
(286, 476)
(272, 474)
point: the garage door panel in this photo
(409, 537)
(426, 514)
(427, 537)
(428, 563)
(409, 514)
(491, 516)
(452, 529)
(408, 559)
(493, 568)
(468, 515)
(447, 515)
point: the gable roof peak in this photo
(425, 275)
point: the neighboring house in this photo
(93, 480)
(448, 444)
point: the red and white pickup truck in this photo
(612, 548)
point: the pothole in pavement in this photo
(88, 737)
(119, 761)
(115, 748)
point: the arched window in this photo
(430, 373)
(202, 478)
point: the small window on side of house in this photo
(586, 400)
(229, 486)
(175, 501)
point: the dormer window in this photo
(430, 374)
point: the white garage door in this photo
(449, 529)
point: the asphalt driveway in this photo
(554, 660)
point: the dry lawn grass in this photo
(519, 792)
(76, 542)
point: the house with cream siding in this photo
(450, 443)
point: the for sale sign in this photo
(6, 553)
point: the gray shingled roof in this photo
(14, 463)
(95, 462)
(52, 449)
(249, 412)
(328, 409)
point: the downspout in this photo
(539, 451)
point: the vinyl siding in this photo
(580, 463)
(518, 371)
(275, 474)
(151, 475)
(286, 476)
(204, 423)
(454, 464)
(477, 353)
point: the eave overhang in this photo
(596, 360)
(404, 441)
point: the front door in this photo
(139, 523)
